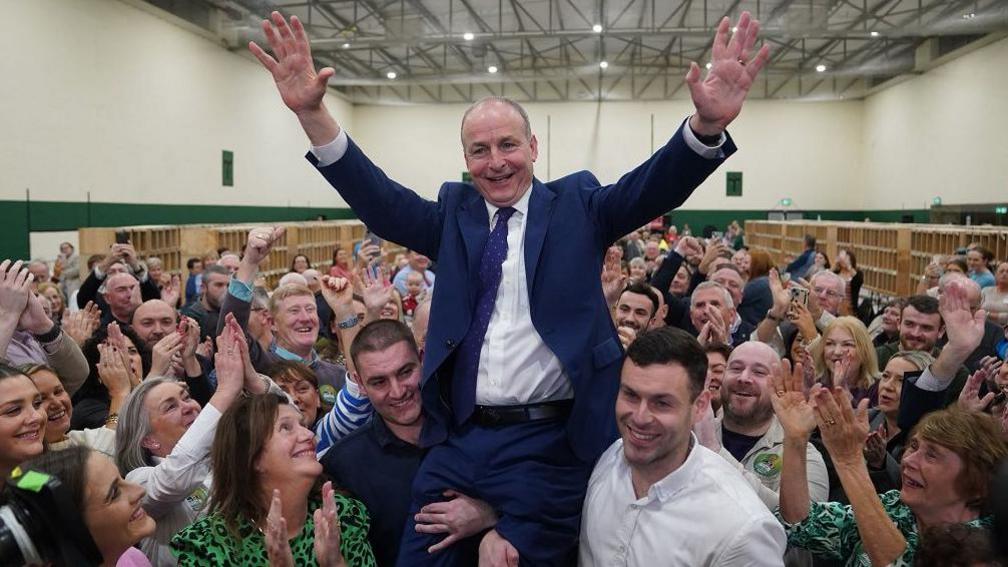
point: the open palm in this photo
(791, 406)
(293, 70)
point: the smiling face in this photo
(55, 299)
(744, 394)
(153, 320)
(112, 510)
(975, 261)
(838, 345)
(304, 394)
(391, 380)
(919, 331)
(634, 311)
(498, 152)
(891, 320)
(289, 454)
(716, 365)
(171, 411)
(655, 416)
(680, 283)
(732, 281)
(21, 422)
(56, 404)
(296, 324)
(929, 472)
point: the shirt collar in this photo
(675, 481)
(384, 435)
(521, 206)
(288, 355)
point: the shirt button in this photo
(449, 343)
(622, 549)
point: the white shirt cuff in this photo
(930, 383)
(709, 152)
(332, 152)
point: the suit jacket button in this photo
(449, 343)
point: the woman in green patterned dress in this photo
(266, 507)
(947, 468)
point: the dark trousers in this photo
(526, 472)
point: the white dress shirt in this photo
(702, 514)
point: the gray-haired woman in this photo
(163, 443)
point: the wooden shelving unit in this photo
(891, 255)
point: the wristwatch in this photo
(348, 323)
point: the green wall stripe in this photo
(15, 223)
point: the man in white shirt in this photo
(658, 497)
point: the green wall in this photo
(18, 218)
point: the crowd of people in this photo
(538, 381)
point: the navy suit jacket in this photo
(571, 221)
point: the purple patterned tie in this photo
(468, 353)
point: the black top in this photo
(737, 444)
(377, 468)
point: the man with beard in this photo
(153, 321)
(635, 311)
(206, 311)
(377, 462)
(748, 434)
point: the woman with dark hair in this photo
(91, 403)
(300, 263)
(22, 420)
(978, 259)
(341, 264)
(846, 268)
(266, 507)
(109, 506)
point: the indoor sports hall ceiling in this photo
(420, 51)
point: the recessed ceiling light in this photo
(820, 68)
(391, 74)
(346, 45)
(468, 36)
(597, 28)
(969, 16)
(709, 65)
(603, 64)
(492, 68)
(874, 34)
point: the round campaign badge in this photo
(328, 394)
(767, 464)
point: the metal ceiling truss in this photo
(547, 50)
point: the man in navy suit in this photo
(522, 361)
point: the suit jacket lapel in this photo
(474, 224)
(540, 210)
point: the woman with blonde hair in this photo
(845, 356)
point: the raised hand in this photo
(163, 353)
(719, 97)
(230, 370)
(377, 290)
(844, 429)
(613, 279)
(626, 336)
(781, 296)
(875, 448)
(292, 67)
(34, 318)
(969, 397)
(713, 252)
(15, 287)
(802, 318)
(840, 370)
(965, 329)
(460, 517)
(337, 292)
(260, 242)
(233, 334)
(705, 428)
(113, 373)
(327, 531)
(688, 247)
(170, 292)
(278, 549)
(793, 409)
(190, 331)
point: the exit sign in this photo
(1001, 210)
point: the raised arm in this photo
(797, 418)
(15, 280)
(301, 87)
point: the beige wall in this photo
(101, 96)
(943, 133)
(808, 151)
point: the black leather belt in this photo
(490, 416)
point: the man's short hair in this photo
(379, 335)
(668, 345)
(216, 269)
(192, 262)
(501, 100)
(924, 304)
(810, 241)
(285, 291)
(960, 262)
(836, 281)
(644, 289)
(731, 267)
(260, 298)
(713, 285)
(718, 347)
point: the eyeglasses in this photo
(828, 292)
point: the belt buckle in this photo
(492, 416)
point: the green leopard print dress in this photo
(208, 541)
(830, 531)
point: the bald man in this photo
(153, 320)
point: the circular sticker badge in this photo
(767, 464)
(328, 394)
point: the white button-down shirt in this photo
(702, 514)
(516, 367)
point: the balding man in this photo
(153, 320)
(121, 258)
(713, 315)
(121, 293)
(229, 261)
(522, 362)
